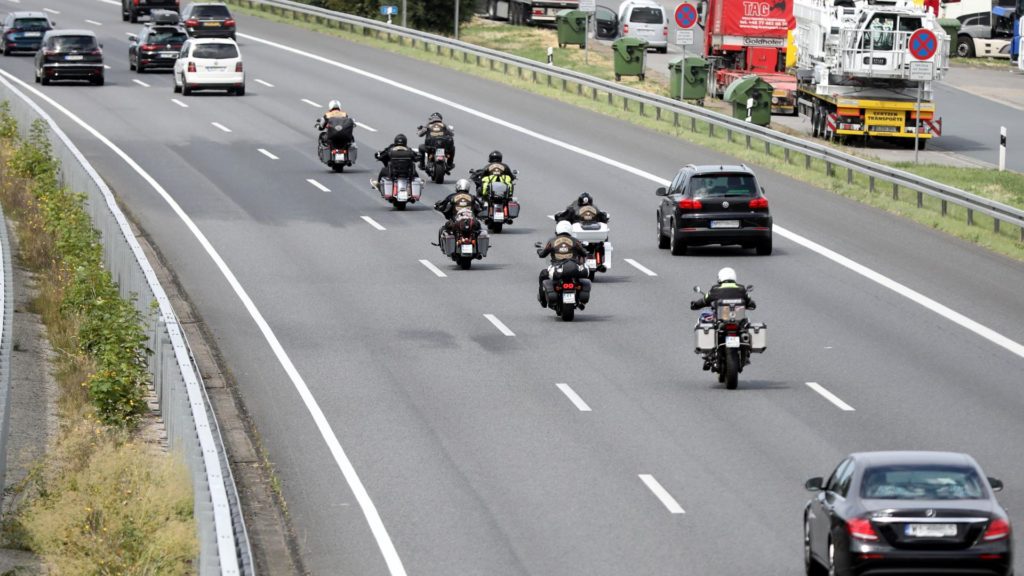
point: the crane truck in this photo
(854, 69)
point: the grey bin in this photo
(741, 90)
(630, 57)
(572, 28)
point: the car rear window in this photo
(211, 12)
(215, 51)
(32, 23)
(170, 36)
(646, 15)
(723, 185)
(65, 43)
(921, 483)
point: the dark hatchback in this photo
(907, 513)
(720, 204)
(24, 31)
(155, 47)
(132, 9)
(70, 55)
(208, 21)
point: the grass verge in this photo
(525, 42)
(102, 501)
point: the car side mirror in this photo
(815, 484)
(698, 290)
(995, 483)
(763, 193)
(133, 38)
(661, 191)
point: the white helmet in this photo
(563, 227)
(726, 275)
(462, 185)
(334, 105)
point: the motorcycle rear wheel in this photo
(438, 174)
(495, 227)
(568, 313)
(465, 262)
(338, 167)
(732, 368)
(399, 206)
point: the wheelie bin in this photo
(695, 78)
(951, 26)
(751, 97)
(572, 28)
(630, 57)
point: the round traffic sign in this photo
(923, 44)
(686, 16)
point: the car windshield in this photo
(216, 12)
(170, 36)
(922, 483)
(215, 51)
(32, 23)
(723, 186)
(646, 15)
(65, 43)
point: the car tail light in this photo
(238, 66)
(759, 203)
(690, 204)
(625, 29)
(192, 22)
(664, 31)
(96, 52)
(191, 66)
(149, 47)
(861, 529)
(997, 530)
(229, 22)
(136, 2)
(13, 30)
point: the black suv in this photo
(24, 31)
(70, 55)
(156, 46)
(208, 20)
(718, 204)
(132, 9)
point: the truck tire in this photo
(964, 46)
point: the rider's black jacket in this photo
(728, 290)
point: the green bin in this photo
(695, 78)
(952, 28)
(675, 78)
(572, 27)
(630, 57)
(742, 90)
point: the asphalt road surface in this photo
(468, 433)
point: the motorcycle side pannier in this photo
(447, 244)
(513, 210)
(387, 188)
(758, 337)
(483, 242)
(703, 337)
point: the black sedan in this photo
(208, 20)
(155, 47)
(70, 55)
(718, 204)
(906, 513)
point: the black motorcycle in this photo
(463, 240)
(725, 338)
(336, 158)
(565, 290)
(500, 205)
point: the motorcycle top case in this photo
(591, 232)
(758, 337)
(703, 337)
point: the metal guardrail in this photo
(191, 425)
(662, 106)
(6, 343)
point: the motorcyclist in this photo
(399, 161)
(336, 126)
(460, 209)
(494, 171)
(726, 289)
(438, 134)
(582, 209)
(561, 248)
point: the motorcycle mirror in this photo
(750, 288)
(698, 290)
(537, 244)
(661, 191)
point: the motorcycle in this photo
(500, 204)
(725, 338)
(400, 191)
(594, 237)
(467, 243)
(564, 290)
(336, 158)
(436, 164)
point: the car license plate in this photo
(169, 55)
(467, 248)
(725, 223)
(211, 24)
(32, 34)
(931, 530)
(732, 341)
(74, 57)
(568, 297)
(216, 68)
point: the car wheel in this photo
(99, 81)
(832, 571)
(37, 76)
(765, 248)
(133, 17)
(177, 87)
(240, 91)
(124, 16)
(43, 79)
(811, 566)
(662, 239)
(964, 46)
(676, 244)
(185, 90)
(131, 64)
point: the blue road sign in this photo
(392, 10)
(923, 44)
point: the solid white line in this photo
(140, 82)
(373, 223)
(365, 127)
(373, 519)
(430, 266)
(932, 305)
(573, 397)
(129, 33)
(318, 185)
(662, 494)
(94, 23)
(114, 2)
(267, 154)
(51, 10)
(106, 67)
(551, 216)
(265, 83)
(640, 267)
(179, 102)
(220, 126)
(499, 325)
(830, 396)
(311, 103)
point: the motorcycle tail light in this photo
(731, 326)
(861, 529)
(997, 530)
(567, 285)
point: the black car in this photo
(70, 55)
(211, 20)
(718, 204)
(906, 512)
(132, 9)
(24, 31)
(156, 46)
(607, 22)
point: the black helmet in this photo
(436, 117)
(585, 199)
(495, 156)
(401, 140)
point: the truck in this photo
(983, 30)
(854, 70)
(523, 12)
(743, 37)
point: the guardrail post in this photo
(564, 86)
(995, 225)
(504, 68)
(641, 108)
(920, 199)
(970, 217)
(871, 184)
(610, 100)
(1022, 233)
(895, 191)
(657, 113)
(828, 168)
(693, 123)
(549, 80)
(728, 135)
(748, 141)
(945, 207)
(767, 148)
(490, 64)
(625, 104)
(478, 60)
(785, 154)
(807, 162)
(849, 175)
(579, 89)
(533, 76)
(593, 93)
(711, 129)
(465, 58)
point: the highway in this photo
(413, 433)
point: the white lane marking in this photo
(662, 494)
(220, 126)
(830, 396)
(265, 83)
(932, 305)
(499, 325)
(430, 266)
(365, 127)
(551, 216)
(179, 102)
(140, 82)
(114, 2)
(573, 397)
(639, 267)
(310, 102)
(373, 519)
(94, 23)
(106, 66)
(129, 33)
(373, 223)
(51, 10)
(267, 154)
(318, 185)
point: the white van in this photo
(646, 20)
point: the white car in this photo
(209, 64)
